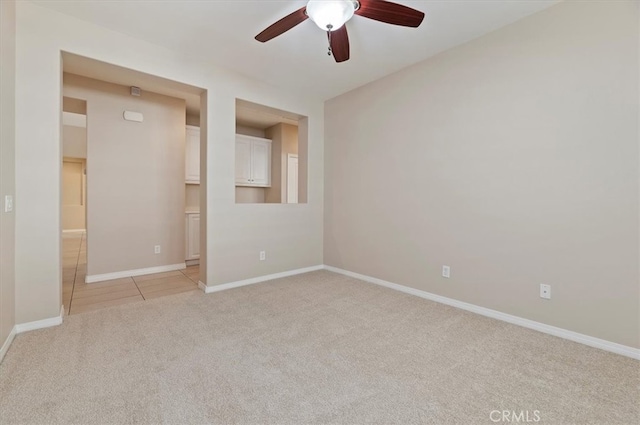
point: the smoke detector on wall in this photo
(135, 91)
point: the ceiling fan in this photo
(331, 16)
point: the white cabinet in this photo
(253, 161)
(193, 236)
(192, 155)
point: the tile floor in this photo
(78, 297)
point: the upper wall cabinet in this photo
(253, 161)
(192, 155)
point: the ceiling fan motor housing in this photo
(331, 15)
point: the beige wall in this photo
(193, 120)
(289, 146)
(250, 131)
(192, 197)
(192, 191)
(513, 159)
(135, 177)
(74, 141)
(250, 195)
(7, 166)
(284, 141)
(273, 194)
(74, 194)
(76, 106)
(204, 187)
(234, 233)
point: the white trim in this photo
(237, 284)
(74, 120)
(137, 272)
(40, 324)
(602, 344)
(7, 343)
(74, 231)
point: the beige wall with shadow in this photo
(7, 166)
(513, 159)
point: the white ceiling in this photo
(297, 60)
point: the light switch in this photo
(8, 203)
(446, 271)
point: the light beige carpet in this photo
(309, 349)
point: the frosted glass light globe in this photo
(330, 15)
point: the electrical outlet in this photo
(156, 249)
(8, 203)
(545, 291)
(446, 271)
(263, 255)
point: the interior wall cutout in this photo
(265, 140)
(155, 164)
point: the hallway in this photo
(79, 297)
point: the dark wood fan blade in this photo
(390, 13)
(283, 25)
(340, 44)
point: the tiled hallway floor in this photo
(78, 296)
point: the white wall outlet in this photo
(156, 249)
(263, 255)
(446, 271)
(545, 291)
(8, 203)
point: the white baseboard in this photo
(237, 284)
(7, 343)
(74, 231)
(40, 324)
(137, 272)
(195, 262)
(591, 341)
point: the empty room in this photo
(319, 212)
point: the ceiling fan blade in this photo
(339, 40)
(283, 25)
(390, 13)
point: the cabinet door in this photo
(193, 236)
(261, 163)
(192, 156)
(243, 161)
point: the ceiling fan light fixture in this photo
(330, 15)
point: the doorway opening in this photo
(74, 195)
(131, 201)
